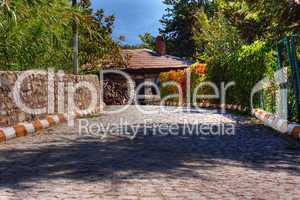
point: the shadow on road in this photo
(91, 159)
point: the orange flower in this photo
(201, 69)
(173, 75)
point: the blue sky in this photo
(133, 17)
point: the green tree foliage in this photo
(179, 24)
(149, 41)
(221, 44)
(230, 59)
(262, 19)
(201, 23)
(239, 42)
(186, 20)
(236, 38)
(96, 45)
(29, 34)
(37, 34)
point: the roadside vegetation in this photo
(38, 34)
(235, 38)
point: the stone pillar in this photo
(148, 90)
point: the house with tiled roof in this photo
(146, 65)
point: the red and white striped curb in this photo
(22, 129)
(270, 120)
(277, 124)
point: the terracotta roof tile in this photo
(147, 59)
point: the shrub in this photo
(198, 75)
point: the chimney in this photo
(160, 46)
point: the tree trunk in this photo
(75, 42)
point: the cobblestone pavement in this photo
(253, 163)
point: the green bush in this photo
(38, 34)
(231, 59)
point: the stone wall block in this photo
(34, 93)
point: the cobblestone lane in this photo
(253, 163)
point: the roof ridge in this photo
(147, 58)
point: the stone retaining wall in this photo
(34, 93)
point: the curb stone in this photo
(25, 128)
(280, 125)
(268, 119)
